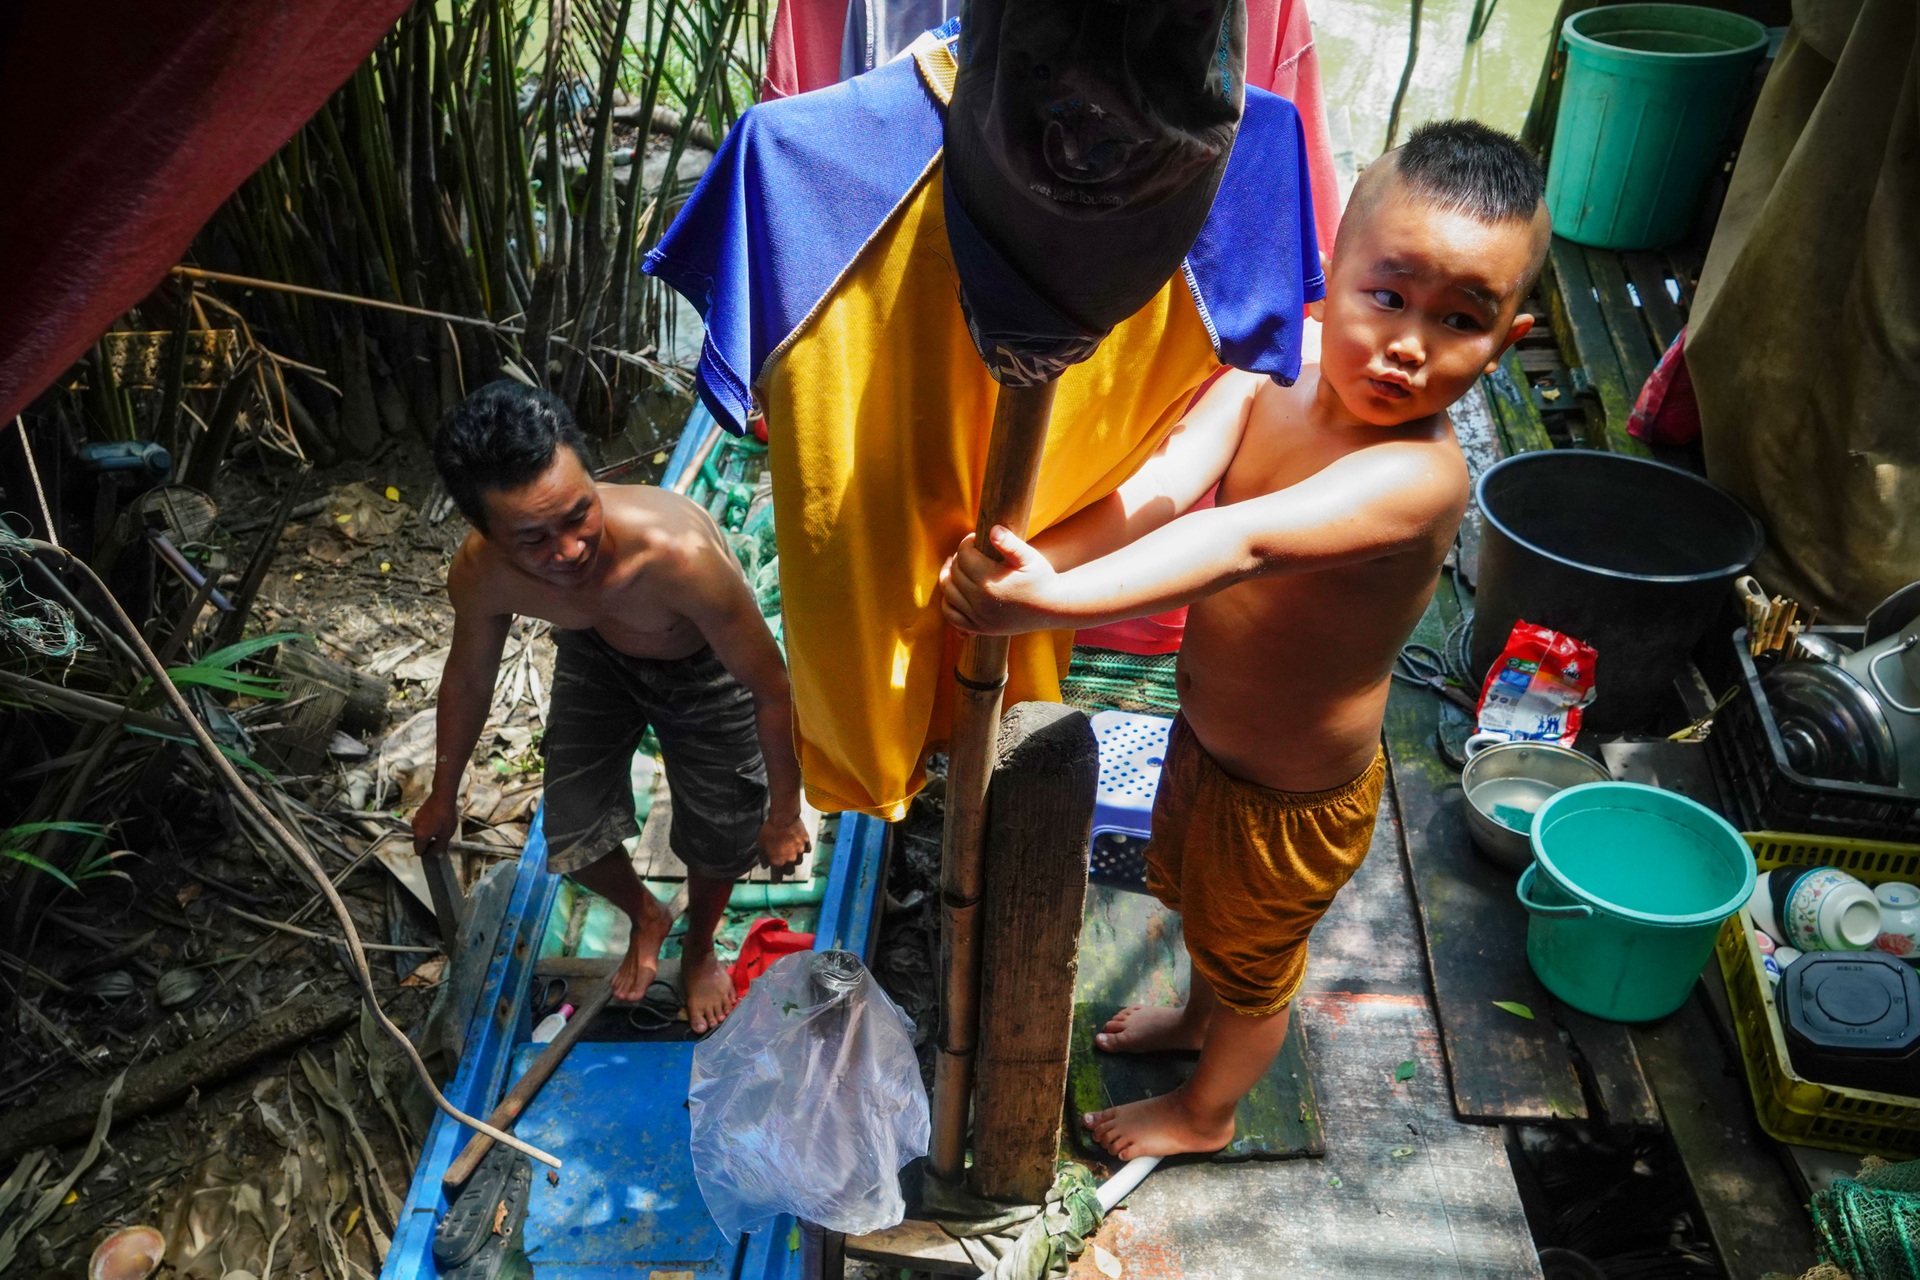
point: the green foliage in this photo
(93, 865)
(472, 167)
(215, 670)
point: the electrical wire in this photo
(258, 809)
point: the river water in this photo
(1363, 48)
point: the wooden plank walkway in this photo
(1405, 1189)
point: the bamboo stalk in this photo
(1020, 416)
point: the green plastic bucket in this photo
(1649, 97)
(1626, 893)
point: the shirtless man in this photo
(1338, 497)
(655, 626)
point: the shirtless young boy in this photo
(655, 626)
(1338, 497)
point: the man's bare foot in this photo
(635, 974)
(1161, 1126)
(1151, 1028)
(710, 995)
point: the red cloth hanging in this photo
(803, 49)
(127, 125)
(1281, 59)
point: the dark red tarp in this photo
(127, 123)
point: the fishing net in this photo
(1869, 1225)
(29, 620)
(1109, 680)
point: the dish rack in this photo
(1765, 792)
(1791, 1108)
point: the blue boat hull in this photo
(626, 1204)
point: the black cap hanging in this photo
(1084, 144)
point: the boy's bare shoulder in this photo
(1418, 464)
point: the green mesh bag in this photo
(1869, 1225)
(1109, 680)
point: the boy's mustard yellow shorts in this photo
(1251, 870)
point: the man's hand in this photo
(435, 822)
(783, 841)
(1004, 597)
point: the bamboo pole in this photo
(1020, 416)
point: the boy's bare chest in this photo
(1275, 456)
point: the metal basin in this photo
(1512, 780)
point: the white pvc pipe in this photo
(1131, 1175)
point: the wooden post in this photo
(1020, 416)
(1039, 831)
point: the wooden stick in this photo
(522, 1093)
(298, 932)
(691, 472)
(1020, 416)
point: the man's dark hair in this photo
(501, 437)
(1464, 166)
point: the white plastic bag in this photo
(808, 1101)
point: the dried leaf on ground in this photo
(363, 514)
(333, 548)
(55, 1196)
(424, 668)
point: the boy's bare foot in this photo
(710, 995)
(635, 974)
(1162, 1126)
(1151, 1028)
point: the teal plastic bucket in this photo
(1645, 109)
(1626, 893)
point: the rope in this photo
(258, 809)
(33, 469)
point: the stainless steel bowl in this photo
(1555, 768)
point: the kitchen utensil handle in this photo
(1880, 686)
(1574, 911)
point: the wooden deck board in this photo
(1649, 276)
(1586, 341)
(1503, 1068)
(1626, 327)
(1753, 1210)
(1447, 1207)
(1510, 393)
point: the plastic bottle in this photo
(550, 1025)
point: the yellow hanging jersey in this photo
(878, 414)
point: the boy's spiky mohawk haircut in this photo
(1465, 166)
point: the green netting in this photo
(1869, 1225)
(28, 619)
(1108, 680)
